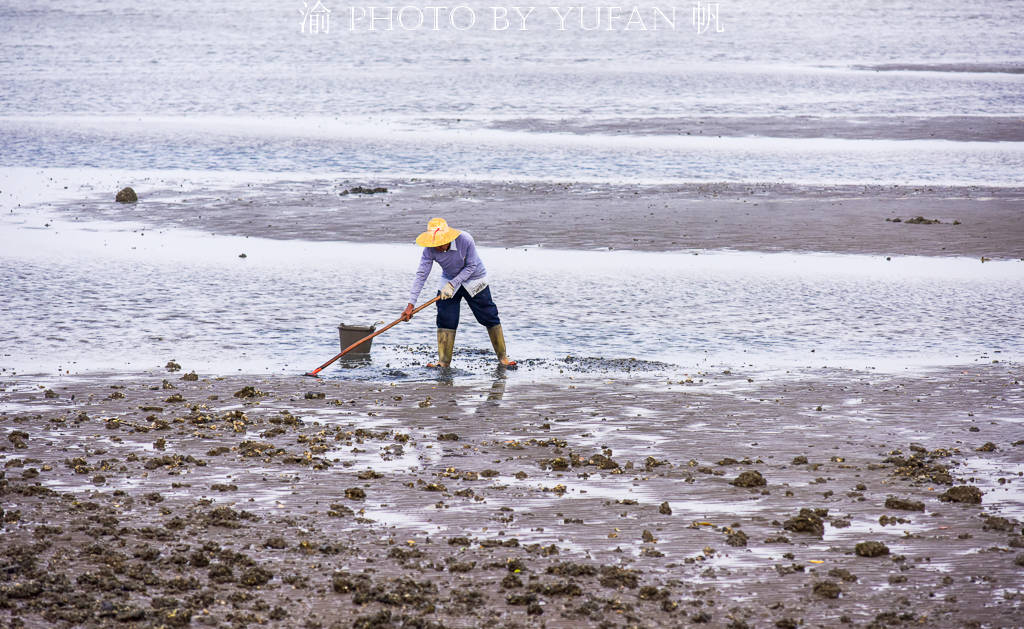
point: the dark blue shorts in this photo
(482, 305)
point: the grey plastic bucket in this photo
(349, 334)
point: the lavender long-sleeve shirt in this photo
(459, 265)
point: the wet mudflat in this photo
(840, 218)
(832, 498)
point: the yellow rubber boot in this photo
(498, 343)
(445, 347)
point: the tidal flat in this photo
(724, 499)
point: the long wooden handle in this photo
(367, 338)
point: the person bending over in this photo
(463, 277)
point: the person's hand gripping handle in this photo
(407, 313)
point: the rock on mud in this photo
(248, 391)
(903, 505)
(827, 589)
(19, 438)
(962, 493)
(737, 538)
(871, 549)
(751, 478)
(255, 577)
(807, 521)
(363, 190)
(126, 195)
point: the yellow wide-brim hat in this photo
(438, 233)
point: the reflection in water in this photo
(497, 391)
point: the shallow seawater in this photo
(112, 299)
(400, 147)
(242, 86)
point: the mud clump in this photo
(844, 574)
(563, 588)
(603, 462)
(315, 395)
(248, 392)
(871, 549)
(921, 466)
(220, 573)
(665, 509)
(750, 478)
(558, 464)
(228, 518)
(344, 582)
(191, 376)
(987, 447)
(827, 589)
(736, 538)
(615, 577)
(19, 438)
(998, 523)
(567, 569)
(807, 521)
(255, 577)
(363, 190)
(903, 505)
(172, 366)
(403, 554)
(126, 195)
(253, 449)
(355, 493)
(962, 493)
(397, 592)
(172, 461)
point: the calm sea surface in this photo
(240, 86)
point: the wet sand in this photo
(727, 499)
(955, 128)
(973, 221)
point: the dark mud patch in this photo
(540, 511)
